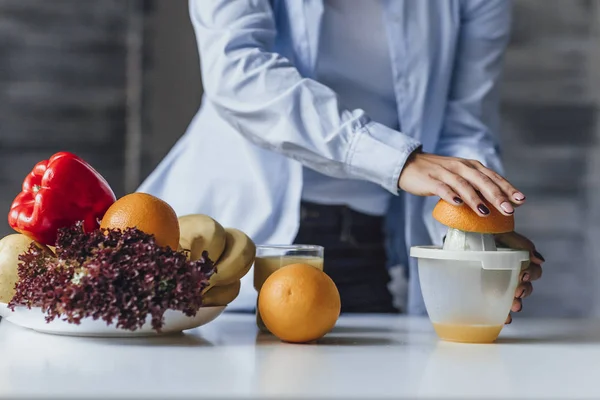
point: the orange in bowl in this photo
(299, 303)
(146, 213)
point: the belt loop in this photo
(303, 212)
(308, 212)
(346, 231)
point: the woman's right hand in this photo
(459, 181)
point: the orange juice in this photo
(265, 266)
(468, 333)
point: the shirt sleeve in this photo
(471, 120)
(263, 96)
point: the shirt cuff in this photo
(379, 153)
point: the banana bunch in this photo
(230, 249)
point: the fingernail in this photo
(521, 295)
(507, 207)
(457, 200)
(526, 277)
(519, 196)
(538, 255)
(483, 209)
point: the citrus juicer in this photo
(468, 284)
(468, 241)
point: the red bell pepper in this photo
(58, 193)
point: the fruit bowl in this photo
(80, 253)
(174, 322)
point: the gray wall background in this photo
(117, 81)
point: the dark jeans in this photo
(355, 256)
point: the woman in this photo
(340, 122)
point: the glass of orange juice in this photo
(269, 258)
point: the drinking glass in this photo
(270, 258)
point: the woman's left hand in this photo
(533, 272)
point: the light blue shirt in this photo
(354, 61)
(264, 117)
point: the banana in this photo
(200, 232)
(221, 295)
(11, 247)
(236, 260)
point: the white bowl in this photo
(174, 321)
(468, 294)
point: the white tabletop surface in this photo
(364, 357)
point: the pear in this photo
(11, 247)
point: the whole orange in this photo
(299, 303)
(146, 213)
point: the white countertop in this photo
(364, 357)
